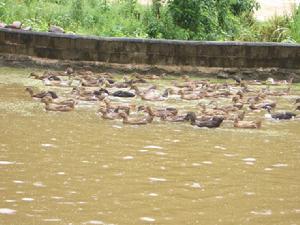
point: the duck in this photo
(97, 96)
(263, 105)
(57, 101)
(123, 94)
(147, 76)
(150, 94)
(125, 107)
(211, 112)
(60, 108)
(69, 71)
(185, 78)
(165, 112)
(51, 75)
(51, 81)
(137, 121)
(192, 96)
(279, 115)
(174, 118)
(214, 122)
(280, 92)
(41, 94)
(247, 124)
(82, 91)
(36, 76)
(237, 79)
(283, 116)
(239, 115)
(225, 108)
(89, 95)
(254, 82)
(270, 80)
(107, 114)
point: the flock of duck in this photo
(211, 103)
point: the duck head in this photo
(29, 90)
(149, 110)
(52, 94)
(190, 116)
(123, 115)
(102, 110)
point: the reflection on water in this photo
(74, 168)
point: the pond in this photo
(76, 168)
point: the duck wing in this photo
(283, 116)
(123, 94)
(215, 122)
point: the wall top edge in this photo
(150, 41)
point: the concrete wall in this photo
(151, 52)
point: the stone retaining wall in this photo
(150, 52)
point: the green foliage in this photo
(276, 29)
(167, 19)
(77, 10)
(295, 25)
(210, 19)
(242, 7)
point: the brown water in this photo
(75, 168)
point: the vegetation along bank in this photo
(221, 20)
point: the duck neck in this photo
(125, 118)
(137, 91)
(150, 111)
(107, 103)
(193, 121)
(193, 118)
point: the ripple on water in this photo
(27, 199)
(38, 184)
(266, 212)
(18, 182)
(129, 157)
(6, 163)
(147, 219)
(280, 165)
(48, 145)
(153, 194)
(143, 150)
(230, 155)
(7, 211)
(60, 173)
(52, 220)
(160, 153)
(156, 179)
(195, 185)
(249, 160)
(220, 147)
(97, 222)
(153, 147)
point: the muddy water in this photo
(75, 168)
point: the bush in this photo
(176, 19)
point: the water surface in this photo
(75, 168)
